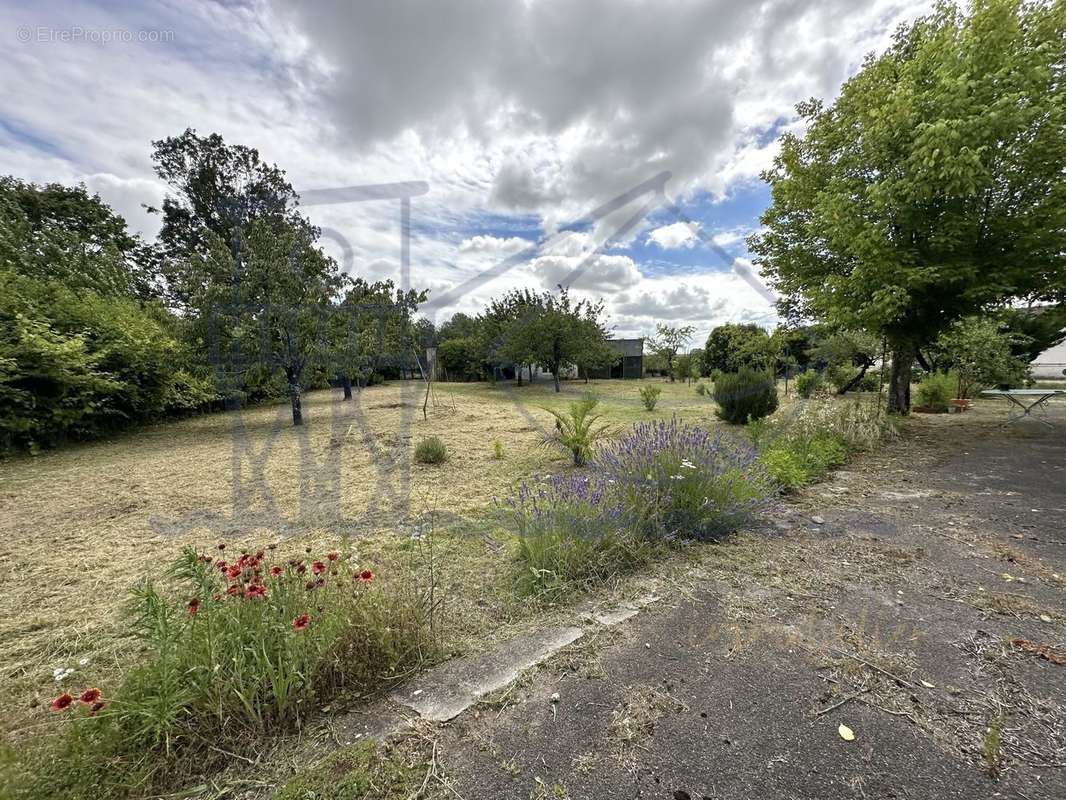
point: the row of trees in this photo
(933, 189)
(998, 346)
(234, 302)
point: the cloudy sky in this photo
(522, 118)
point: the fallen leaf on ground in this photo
(928, 685)
(846, 733)
(1041, 650)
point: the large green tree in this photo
(732, 346)
(551, 329)
(933, 188)
(276, 308)
(217, 191)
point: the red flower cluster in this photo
(366, 576)
(301, 622)
(90, 697)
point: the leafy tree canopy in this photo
(732, 346)
(62, 233)
(218, 190)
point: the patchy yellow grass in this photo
(80, 525)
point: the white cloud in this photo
(494, 245)
(601, 273)
(675, 235)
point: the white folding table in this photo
(1023, 402)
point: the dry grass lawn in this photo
(80, 525)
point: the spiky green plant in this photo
(578, 428)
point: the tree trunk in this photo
(297, 411)
(346, 384)
(899, 387)
(294, 397)
(854, 381)
(518, 373)
(531, 373)
(555, 375)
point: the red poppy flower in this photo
(234, 589)
(366, 576)
(90, 696)
(301, 622)
(333, 556)
(234, 572)
(96, 707)
(194, 605)
(256, 590)
(275, 571)
(62, 703)
(318, 568)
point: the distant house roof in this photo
(627, 347)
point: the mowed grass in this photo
(80, 525)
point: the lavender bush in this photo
(676, 480)
(662, 481)
(571, 533)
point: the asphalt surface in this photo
(894, 615)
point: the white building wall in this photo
(1050, 363)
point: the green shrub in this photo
(807, 383)
(649, 396)
(577, 428)
(75, 364)
(785, 467)
(936, 390)
(431, 450)
(234, 650)
(871, 381)
(702, 389)
(745, 395)
(801, 447)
